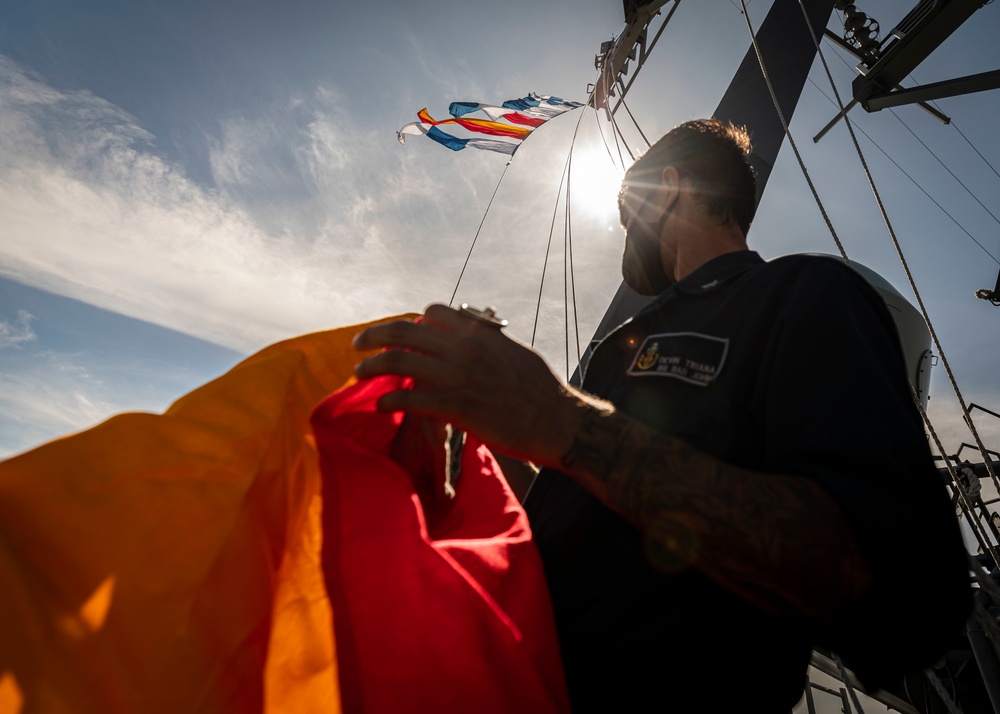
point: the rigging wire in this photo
(944, 166)
(615, 133)
(620, 133)
(892, 233)
(788, 133)
(913, 181)
(637, 127)
(607, 148)
(936, 157)
(951, 123)
(476, 238)
(569, 277)
(969, 142)
(548, 248)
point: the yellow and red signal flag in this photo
(247, 551)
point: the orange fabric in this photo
(171, 563)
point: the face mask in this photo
(642, 264)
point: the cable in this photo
(476, 238)
(944, 166)
(604, 139)
(566, 269)
(914, 181)
(637, 127)
(620, 133)
(973, 146)
(895, 242)
(548, 248)
(788, 133)
(569, 277)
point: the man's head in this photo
(712, 159)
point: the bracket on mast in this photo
(884, 64)
(632, 45)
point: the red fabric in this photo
(448, 617)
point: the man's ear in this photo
(670, 179)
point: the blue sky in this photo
(183, 183)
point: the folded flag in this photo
(439, 605)
(202, 561)
(508, 120)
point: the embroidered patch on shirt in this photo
(688, 356)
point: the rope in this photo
(914, 181)
(476, 238)
(784, 125)
(895, 243)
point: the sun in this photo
(594, 184)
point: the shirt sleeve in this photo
(836, 407)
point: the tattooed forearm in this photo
(597, 444)
(779, 541)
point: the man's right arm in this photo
(778, 540)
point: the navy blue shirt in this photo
(789, 367)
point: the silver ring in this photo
(487, 315)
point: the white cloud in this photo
(317, 217)
(299, 234)
(14, 334)
(50, 395)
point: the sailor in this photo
(743, 474)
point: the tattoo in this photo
(597, 446)
(779, 541)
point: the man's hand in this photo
(779, 541)
(470, 374)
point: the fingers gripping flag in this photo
(208, 560)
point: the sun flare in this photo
(594, 184)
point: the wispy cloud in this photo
(316, 218)
(50, 395)
(12, 334)
(300, 232)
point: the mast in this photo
(788, 50)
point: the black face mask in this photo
(642, 263)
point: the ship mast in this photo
(787, 50)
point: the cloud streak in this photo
(316, 217)
(13, 334)
(299, 233)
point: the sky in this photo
(184, 183)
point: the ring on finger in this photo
(487, 315)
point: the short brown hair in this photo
(715, 157)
